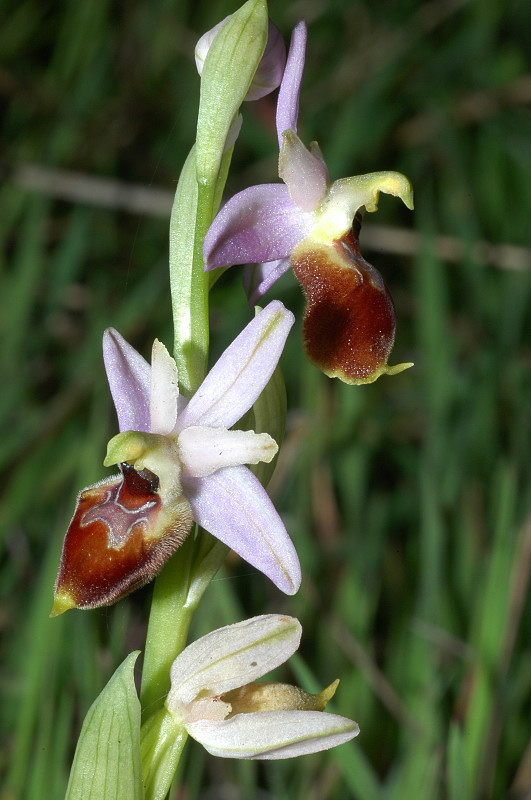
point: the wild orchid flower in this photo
(179, 463)
(213, 695)
(312, 225)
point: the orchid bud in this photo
(270, 69)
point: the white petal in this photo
(164, 389)
(204, 450)
(241, 373)
(232, 656)
(234, 507)
(273, 734)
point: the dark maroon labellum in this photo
(118, 539)
(349, 321)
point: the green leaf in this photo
(107, 761)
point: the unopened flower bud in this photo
(270, 69)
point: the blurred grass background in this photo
(408, 500)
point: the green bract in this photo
(107, 760)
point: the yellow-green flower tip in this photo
(393, 183)
(63, 601)
(129, 446)
(324, 697)
(347, 195)
(387, 369)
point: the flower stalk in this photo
(197, 200)
(195, 448)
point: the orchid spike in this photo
(312, 225)
(213, 695)
(179, 463)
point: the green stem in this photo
(162, 740)
(176, 595)
(227, 74)
(193, 210)
(169, 621)
(171, 607)
(188, 282)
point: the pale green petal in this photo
(273, 734)
(230, 657)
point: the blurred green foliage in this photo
(408, 500)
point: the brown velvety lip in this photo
(118, 539)
(349, 321)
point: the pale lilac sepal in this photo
(259, 224)
(269, 735)
(129, 376)
(288, 95)
(242, 371)
(230, 657)
(258, 278)
(235, 508)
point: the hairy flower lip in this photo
(120, 535)
(349, 321)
